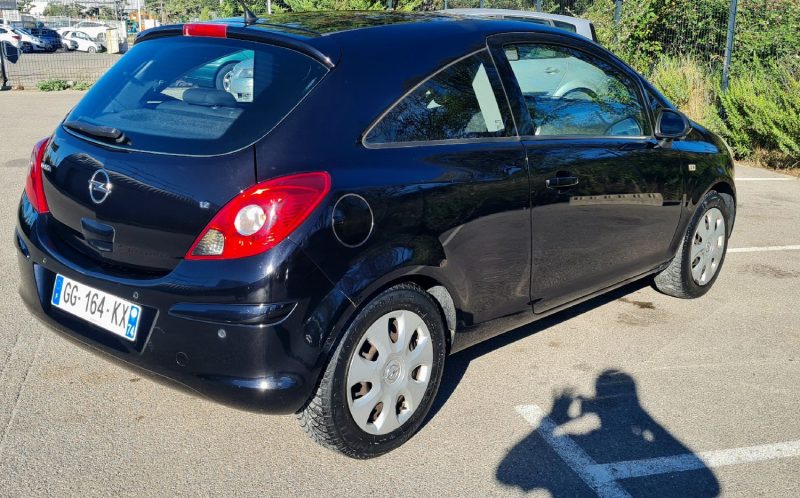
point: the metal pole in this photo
(481, 3)
(3, 67)
(538, 5)
(139, 16)
(726, 69)
(617, 12)
(445, 4)
(269, 7)
(391, 5)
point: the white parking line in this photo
(764, 179)
(596, 477)
(764, 249)
(681, 463)
(602, 478)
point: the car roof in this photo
(376, 24)
(515, 13)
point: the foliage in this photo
(52, 85)
(307, 5)
(762, 111)
(24, 6)
(690, 86)
(65, 10)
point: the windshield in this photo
(195, 96)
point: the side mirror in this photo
(10, 52)
(672, 125)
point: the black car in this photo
(368, 193)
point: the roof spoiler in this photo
(239, 33)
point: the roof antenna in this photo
(249, 17)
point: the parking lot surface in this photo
(630, 394)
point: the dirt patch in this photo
(16, 163)
(770, 271)
(645, 305)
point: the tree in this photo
(24, 6)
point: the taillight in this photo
(212, 30)
(261, 217)
(34, 188)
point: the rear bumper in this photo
(275, 335)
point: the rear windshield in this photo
(196, 96)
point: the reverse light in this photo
(261, 217)
(211, 30)
(34, 187)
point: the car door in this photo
(454, 134)
(605, 195)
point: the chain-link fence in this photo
(66, 41)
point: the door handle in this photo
(551, 70)
(561, 182)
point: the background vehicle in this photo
(91, 28)
(66, 43)
(48, 36)
(8, 35)
(239, 82)
(583, 27)
(321, 247)
(30, 43)
(83, 42)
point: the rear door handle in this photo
(551, 70)
(561, 182)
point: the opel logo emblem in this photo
(99, 186)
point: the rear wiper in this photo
(102, 132)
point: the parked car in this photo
(8, 35)
(583, 27)
(83, 42)
(66, 43)
(49, 36)
(239, 82)
(92, 28)
(321, 247)
(31, 43)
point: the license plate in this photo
(97, 307)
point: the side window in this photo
(656, 103)
(567, 92)
(461, 101)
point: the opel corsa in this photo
(308, 213)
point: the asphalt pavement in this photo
(631, 394)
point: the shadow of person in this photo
(569, 452)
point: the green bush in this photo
(762, 111)
(52, 85)
(691, 86)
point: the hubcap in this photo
(389, 372)
(708, 246)
(226, 81)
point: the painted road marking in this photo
(764, 249)
(602, 478)
(710, 459)
(763, 179)
(598, 479)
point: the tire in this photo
(330, 416)
(219, 79)
(699, 259)
(91, 50)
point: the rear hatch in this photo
(163, 141)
